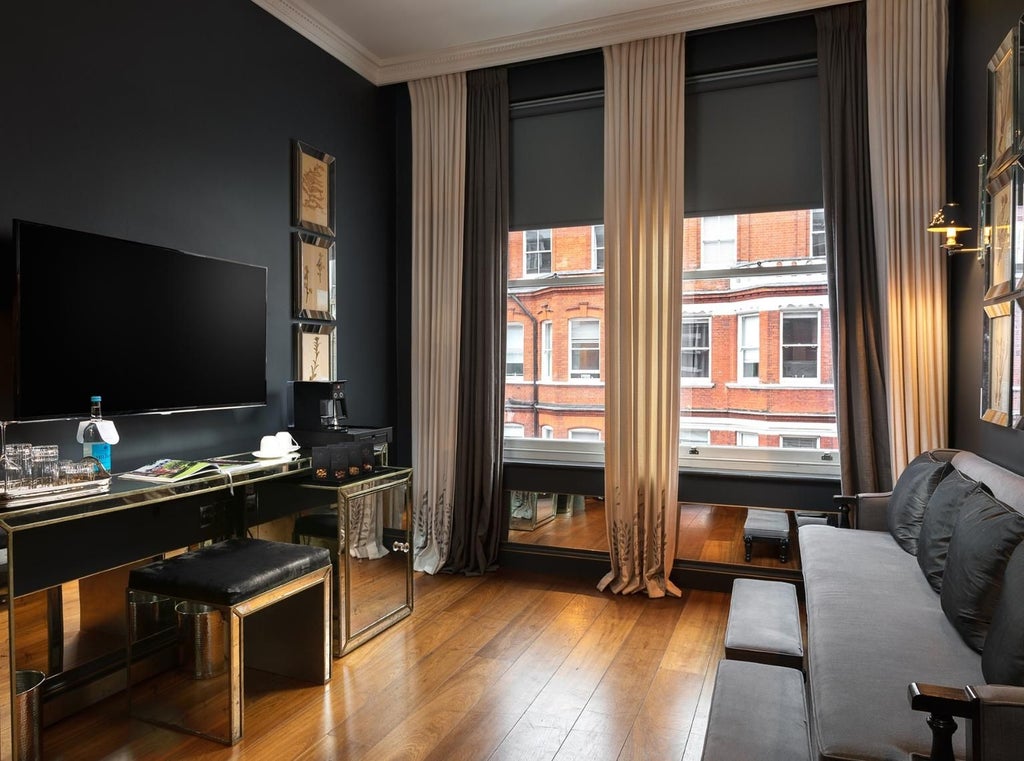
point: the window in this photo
(584, 434)
(514, 351)
(749, 348)
(584, 349)
(799, 346)
(799, 442)
(696, 358)
(545, 350)
(747, 439)
(537, 250)
(597, 246)
(817, 232)
(718, 242)
(513, 431)
(547, 432)
(689, 437)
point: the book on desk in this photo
(167, 470)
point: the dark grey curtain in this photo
(854, 292)
(476, 519)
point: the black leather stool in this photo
(247, 602)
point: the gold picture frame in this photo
(315, 352)
(314, 276)
(313, 191)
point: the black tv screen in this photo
(148, 328)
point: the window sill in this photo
(790, 385)
(685, 383)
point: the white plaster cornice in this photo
(680, 16)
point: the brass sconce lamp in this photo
(947, 220)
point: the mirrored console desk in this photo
(92, 542)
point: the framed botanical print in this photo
(997, 371)
(1003, 137)
(315, 351)
(1001, 219)
(313, 276)
(313, 193)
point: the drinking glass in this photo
(44, 464)
(17, 465)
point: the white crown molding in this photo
(314, 27)
(680, 16)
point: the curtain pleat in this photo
(438, 185)
(907, 52)
(644, 90)
(476, 519)
(854, 288)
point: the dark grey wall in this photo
(976, 29)
(170, 122)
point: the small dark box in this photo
(342, 462)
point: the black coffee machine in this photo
(317, 405)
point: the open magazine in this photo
(169, 471)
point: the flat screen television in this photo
(148, 328)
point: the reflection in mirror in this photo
(707, 533)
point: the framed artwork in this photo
(1017, 364)
(313, 201)
(1001, 218)
(997, 371)
(1002, 103)
(313, 276)
(315, 351)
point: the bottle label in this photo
(100, 450)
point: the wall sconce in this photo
(948, 220)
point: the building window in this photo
(689, 437)
(749, 347)
(584, 349)
(597, 246)
(718, 242)
(537, 250)
(747, 439)
(800, 346)
(514, 350)
(545, 350)
(584, 434)
(799, 442)
(817, 232)
(695, 362)
(514, 431)
(547, 432)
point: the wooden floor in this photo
(504, 666)
(711, 533)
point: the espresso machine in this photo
(318, 416)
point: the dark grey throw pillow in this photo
(1002, 660)
(952, 493)
(985, 536)
(910, 496)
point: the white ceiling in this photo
(391, 41)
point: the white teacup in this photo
(285, 441)
(271, 446)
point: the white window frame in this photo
(536, 236)
(799, 314)
(594, 247)
(816, 215)
(514, 431)
(706, 349)
(690, 436)
(741, 439)
(743, 348)
(584, 434)
(583, 376)
(546, 350)
(510, 328)
(791, 437)
(718, 242)
(547, 432)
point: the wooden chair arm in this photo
(941, 704)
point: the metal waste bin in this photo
(149, 613)
(28, 716)
(200, 639)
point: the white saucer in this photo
(268, 456)
(294, 448)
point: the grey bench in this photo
(758, 712)
(764, 624)
(768, 526)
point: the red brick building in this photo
(756, 354)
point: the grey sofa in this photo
(875, 625)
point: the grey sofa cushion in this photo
(986, 534)
(1002, 661)
(952, 493)
(910, 497)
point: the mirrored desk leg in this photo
(55, 629)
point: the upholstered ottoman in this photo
(766, 526)
(241, 603)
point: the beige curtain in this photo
(643, 217)
(907, 51)
(438, 190)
